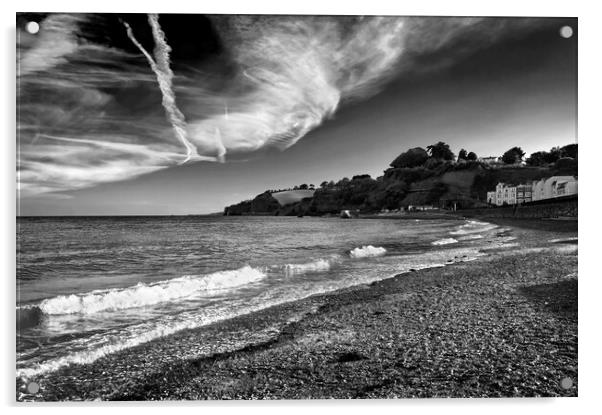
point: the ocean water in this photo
(91, 286)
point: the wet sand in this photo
(501, 326)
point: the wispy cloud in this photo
(90, 113)
(56, 39)
(293, 74)
(161, 67)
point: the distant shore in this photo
(412, 215)
(503, 325)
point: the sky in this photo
(186, 114)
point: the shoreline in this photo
(481, 328)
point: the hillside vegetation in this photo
(418, 176)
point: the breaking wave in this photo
(314, 266)
(473, 226)
(149, 294)
(144, 332)
(445, 241)
(367, 251)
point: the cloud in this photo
(161, 67)
(50, 167)
(293, 73)
(90, 113)
(56, 40)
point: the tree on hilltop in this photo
(513, 156)
(539, 158)
(414, 157)
(441, 151)
(570, 150)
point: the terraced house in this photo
(552, 187)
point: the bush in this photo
(414, 157)
(433, 163)
(539, 158)
(567, 164)
(513, 156)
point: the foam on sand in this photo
(149, 294)
(367, 251)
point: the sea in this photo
(91, 286)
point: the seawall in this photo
(567, 208)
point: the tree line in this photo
(433, 155)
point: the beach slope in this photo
(504, 325)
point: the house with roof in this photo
(548, 188)
(555, 186)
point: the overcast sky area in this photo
(185, 114)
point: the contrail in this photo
(164, 75)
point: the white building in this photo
(489, 160)
(503, 195)
(555, 186)
(510, 195)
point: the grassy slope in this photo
(292, 196)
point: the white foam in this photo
(570, 239)
(473, 226)
(367, 251)
(511, 245)
(149, 294)
(469, 237)
(89, 356)
(147, 332)
(314, 266)
(152, 330)
(445, 241)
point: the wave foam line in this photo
(570, 239)
(445, 241)
(367, 251)
(314, 266)
(473, 226)
(149, 294)
(470, 237)
(89, 356)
